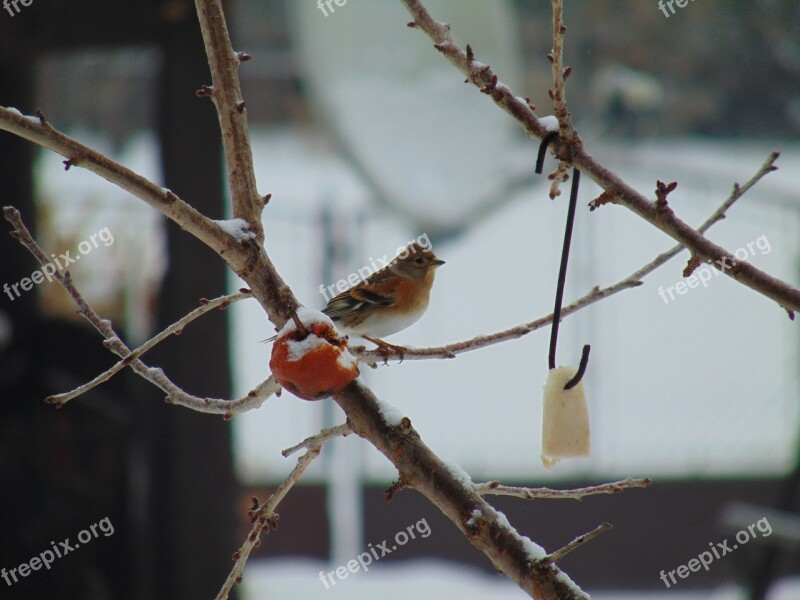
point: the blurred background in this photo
(367, 138)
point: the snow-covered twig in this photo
(264, 517)
(594, 295)
(617, 191)
(320, 438)
(248, 260)
(527, 493)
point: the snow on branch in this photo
(456, 496)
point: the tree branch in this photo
(451, 490)
(226, 94)
(619, 192)
(558, 94)
(448, 488)
(176, 395)
(577, 543)
(594, 295)
(39, 131)
(176, 328)
(527, 493)
(320, 438)
(263, 517)
(246, 258)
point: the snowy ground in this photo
(427, 579)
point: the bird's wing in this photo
(379, 289)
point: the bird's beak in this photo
(437, 263)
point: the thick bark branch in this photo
(40, 132)
(226, 94)
(661, 216)
(455, 495)
(246, 258)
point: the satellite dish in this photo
(432, 148)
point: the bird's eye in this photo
(419, 260)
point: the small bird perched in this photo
(389, 300)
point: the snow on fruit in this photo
(312, 362)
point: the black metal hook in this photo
(581, 369)
(562, 276)
(543, 148)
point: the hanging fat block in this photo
(565, 419)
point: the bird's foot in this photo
(386, 350)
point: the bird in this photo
(389, 300)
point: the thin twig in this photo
(594, 295)
(740, 190)
(576, 543)
(619, 192)
(320, 438)
(526, 493)
(156, 376)
(174, 329)
(264, 516)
